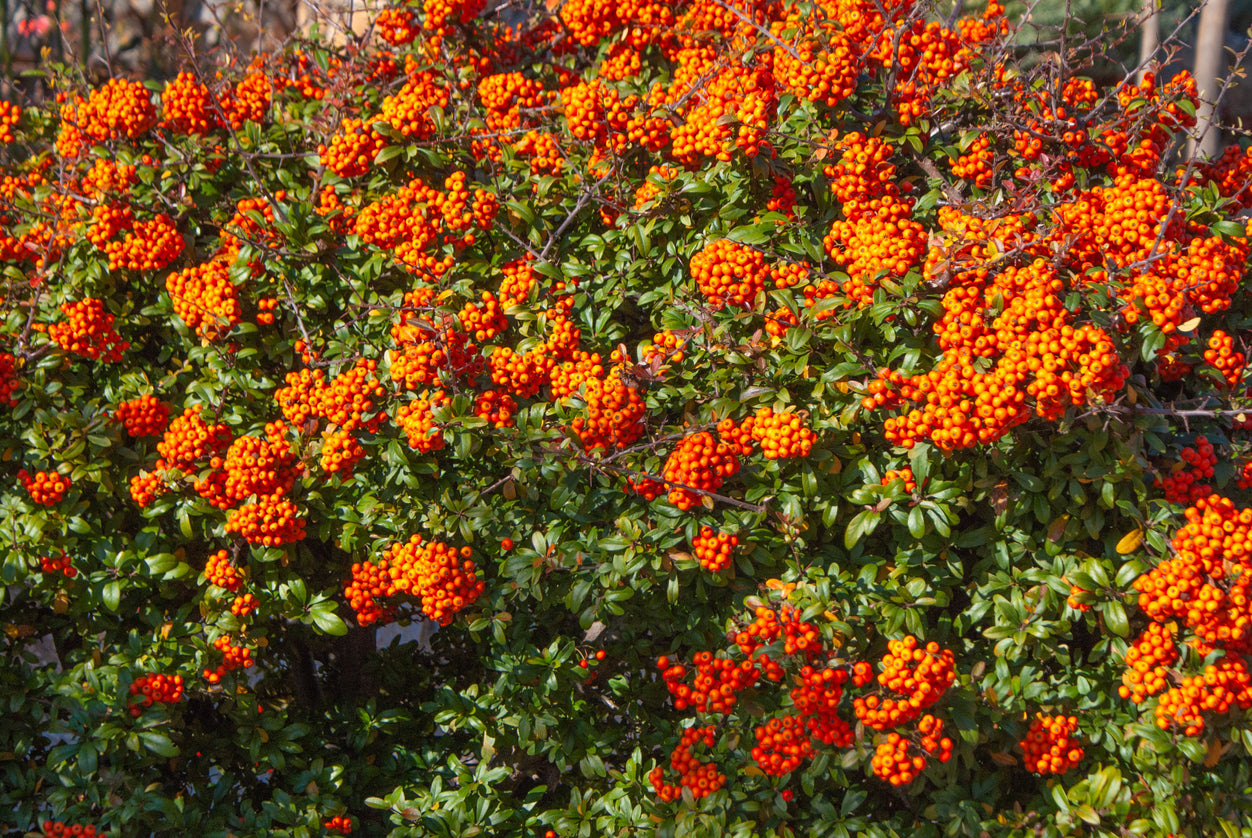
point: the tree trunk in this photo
(1149, 35)
(1209, 48)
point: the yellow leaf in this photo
(509, 490)
(1057, 528)
(1130, 542)
(165, 630)
(1215, 752)
(835, 466)
(681, 556)
(706, 502)
(1190, 325)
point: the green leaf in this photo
(864, 523)
(1115, 618)
(158, 743)
(112, 595)
(324, 617)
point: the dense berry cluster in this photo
(714, 549)
(147, 246)
(442, 577)
(10, 383)
(1200, 594)
(700, 778)
(189, 442)
(233, 657)
(699, 464)
(1228, 361)
(270, 521)
(205, 298)
(155, 688)
(187, 106)
(220, 571)
(1147, 663)
(729, 273)
(1050, 746)
(44, 487)
(781, 435)
(920, 675)
(88, 331)
(1183, 484)
(144, 416)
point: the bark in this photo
(1210, 44)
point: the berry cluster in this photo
(1220, 688)
(1050, 745)
(144, 416)
(205, 298)
(242, 606)
(256, 466)
(1204, 590)
(10, 383)
(57, 829)
(496, 408)
(145, 487)
(340, 452)
(189, 442)
(1228, 361)
(44, 487)
(717, 682)
(1183, 485)
(1147, 663)
(340, 824)
(900, 758)
(714, 549)
(233, 657)
(59, 564)
(219, 570)
(10, 116)
(187, 106)
(700, 778)
(699, 464)
(147, 246)
(904, 475)
(442, 577)
(88, 331)
(920, 674)
(270, 521)
(119, 109)
(417, 420)
(352, 149)
(729, 273)
(781, 435)
(155, 687)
